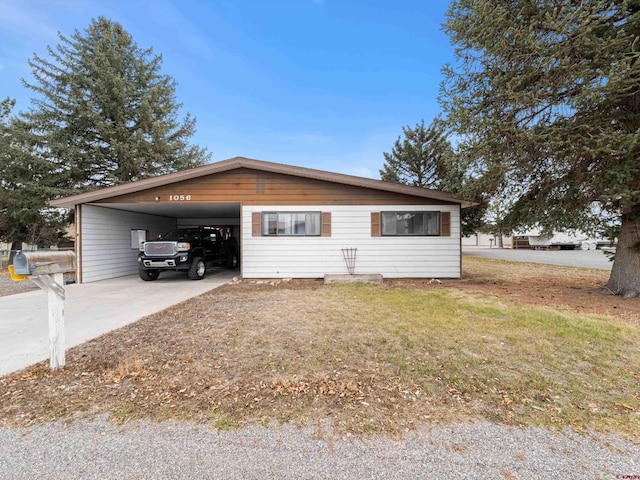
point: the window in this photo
(291, 223)
(410, 223)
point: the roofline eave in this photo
(241, 162)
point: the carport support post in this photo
(53, 283)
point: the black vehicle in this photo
(191, 250)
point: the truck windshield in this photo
(180, 234)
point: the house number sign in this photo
(179, 198)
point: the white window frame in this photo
(292, 224)
(389, 226)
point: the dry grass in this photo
(368, 358)
(576, 289)
(490, 271)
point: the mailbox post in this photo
(46, 269)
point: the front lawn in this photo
(368, 358)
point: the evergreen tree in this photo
(26, 182)
(544, 96)
(425, 158)
(420, 158)
(104, 114)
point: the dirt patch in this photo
(9, 287)
(577, 289)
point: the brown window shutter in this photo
(375, 224)
(256, 224)
(445, 224)
(326, 224)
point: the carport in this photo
(109, 233)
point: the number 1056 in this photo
(179, 198)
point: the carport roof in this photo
(241, 162)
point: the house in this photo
(290, 221)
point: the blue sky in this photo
(324, 84)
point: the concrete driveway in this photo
(91, 310)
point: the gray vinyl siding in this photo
(106, 240)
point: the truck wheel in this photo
(148, 275)
(197, 269)
(232, 260)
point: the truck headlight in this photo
(184, 246)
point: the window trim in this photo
(292, 212)
(326, 224)
(444, 224)
(376, 224)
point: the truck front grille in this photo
(159, 249)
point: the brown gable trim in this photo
(241, 162)
(253, 187)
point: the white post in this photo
(56, 322)
(53, 284)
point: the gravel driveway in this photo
(101, 450)
(571, 258)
